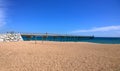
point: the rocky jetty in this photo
(10, 36)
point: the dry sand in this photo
(56, 56)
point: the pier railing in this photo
(43, 34)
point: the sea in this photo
(101, 40)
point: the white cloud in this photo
(100, 29)
(2, 14)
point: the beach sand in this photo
(59, 56)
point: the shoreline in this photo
(65, 42)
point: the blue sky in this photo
(79, 17)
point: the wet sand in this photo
(59, 56)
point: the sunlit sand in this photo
(59, 56)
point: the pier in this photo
(18, 36)
(53, 37)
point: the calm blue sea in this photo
(103, 40)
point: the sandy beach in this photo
(59, 56)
